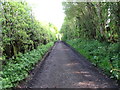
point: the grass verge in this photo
(106, 56)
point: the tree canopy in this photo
(92, 20)
(21, 32)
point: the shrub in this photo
(18, 68)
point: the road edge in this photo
(84, 58)
(23, 83)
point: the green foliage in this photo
(23, 41)
(93, 28)
(101, 54)
(18, 68)
(92, 20)
(21, 32)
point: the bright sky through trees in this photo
(48, 11)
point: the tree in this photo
(91, 20)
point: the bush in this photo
(18, 68)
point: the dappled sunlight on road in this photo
(64, 69)
(80, 72)
(86, 84)
(71, 64)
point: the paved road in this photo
(63, 68)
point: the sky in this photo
(48, 11)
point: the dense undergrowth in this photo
(103, 55)
(20, 31)
(18, 69)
